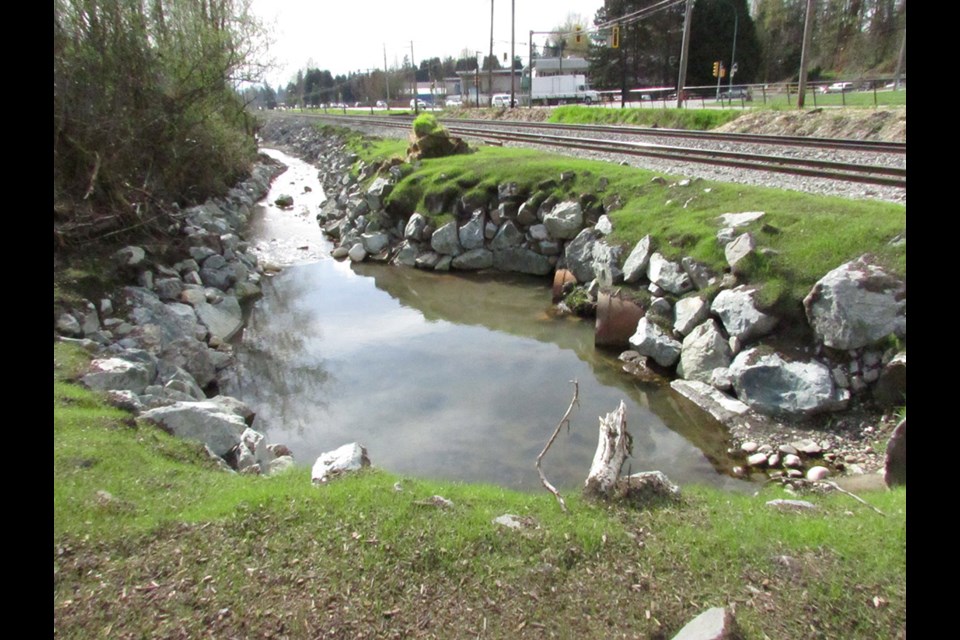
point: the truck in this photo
(562, 89)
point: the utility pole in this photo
(490, 59)
(681, 83)
(530, 66)
(805, 54)
(513, 76)
(416, 94)
(903, 52)
(386, 74)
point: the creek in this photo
(450, 376)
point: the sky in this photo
(350, 35)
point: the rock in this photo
(792, 461)
(508, 235)
(407, 254)
(688, 313)
(193, 356)
(890, 389)
(817, 473)
(374, 243)
(564, 220)
(68, 326)
(357, 253)
(446, 240)
(284, 201)
(223, 320)
(857, 304)
(205, 421)
(739, 219)
(349, 457)
(635, 267)
(739, 316)
(791, 505)
(649, 487)
(650, 340)
(415, 227)
(521, 260)
(471, 233)
(435, 501)
(474, 259)
(579, 255)
(280, 464)
(511, 521)
(119, 374)
(756, 459)
(699, 274)
(428, 260)
(606, 263)
(668, 275)
(807, 446)
(713, 624)
(773, 386)
(895, 465)
(124, 399)
(749, 447)
(604, 226)
(379, 189)
(702, 351)
(738, 249)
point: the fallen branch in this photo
(854, 496)
(565, 420)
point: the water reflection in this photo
(450, 376)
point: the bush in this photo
(425, 124)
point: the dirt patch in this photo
(888, 125)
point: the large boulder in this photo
(739, 315)
(446, 240)
(223, 319)
(473, 259)
(688, 313)
(704, 350)
(349, 457)
(415, 226)
(650, 340)
(635, 267)
(471, 233)
(564, 220)
(579, 255)
(773, 386)
(717, 623)
(206, 421)
(508, 235)
(522, 260)
(857, 304)
(119, 374)
(606, 263)
(668, 275)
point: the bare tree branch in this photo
(565, 420)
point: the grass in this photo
(180, 549)
(863, 99)
(697, 119)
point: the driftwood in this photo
(614, 445)
(565, 420)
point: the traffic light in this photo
(579, 34)
(716, 69)
(616, 37)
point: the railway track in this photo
(583, 137)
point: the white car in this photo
(454, 101)
(502, 100)
(414, 104)
(839, 87)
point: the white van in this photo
(502, 100)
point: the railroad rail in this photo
(513, 131)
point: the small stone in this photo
(791, 505)
(757, 459)
(791, 460)
(817, 473)
(749, 447)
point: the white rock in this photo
(349, 457)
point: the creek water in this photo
(441, 375)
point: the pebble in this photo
(749, 447)
(757, 459)
(817, 473)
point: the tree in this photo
(711, 39)
(565, 40)
(145, 105)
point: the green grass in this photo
(181, 549)
(697, 119)
(885, 98)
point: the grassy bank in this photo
(150, 539)
(805, 235)
(695, 119)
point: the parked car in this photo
(502, 100)
(417, 104)
(381, 104)
(453, 101)
(737, 93)
(838, 87)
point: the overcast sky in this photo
(350, 35)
